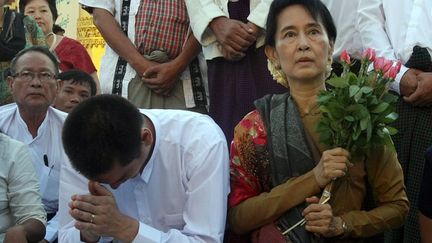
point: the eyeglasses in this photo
(28, 76)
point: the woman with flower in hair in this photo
(279, 167)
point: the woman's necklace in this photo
(54, 40)
(314, 110)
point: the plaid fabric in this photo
(161, 25)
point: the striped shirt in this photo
(161, 25)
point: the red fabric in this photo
(73, 55)
(161, 25)
(244, 182)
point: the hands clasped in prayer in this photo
(97, 215)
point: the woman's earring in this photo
(329, 68)
(277, 73)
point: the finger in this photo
(233, 53)
(86, 226)
(83, 206)
(316, 229)
(99, 190)
(237, 44)
(412, 98)
(338, 151)
(319, 222)
(315, 207)
(312, 200)
(92, 199)
(83, 216)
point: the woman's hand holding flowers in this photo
(334, 163)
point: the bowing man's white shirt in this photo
(181, 195)
(47, 142)
(394, 27)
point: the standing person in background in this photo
(16, 33)
(71, 54)
(33, 121)
(344, 14)
(75, 86)
(232, 36)
(151, 58)
(425, 200)
(400, 30)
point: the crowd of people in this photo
(202, 124)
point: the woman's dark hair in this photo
(100, 132)
(316, 8)
(51, 4)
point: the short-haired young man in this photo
(75, 87)
(167, 169)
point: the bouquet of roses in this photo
(357, 109)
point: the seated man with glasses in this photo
(32, 120)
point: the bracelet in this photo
(344, 226)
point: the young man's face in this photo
(71, 94)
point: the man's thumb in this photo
(97, 189)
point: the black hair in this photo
(79, 77)
(51, 4)
(41, 49)
(316, 8)
(57, 29)
(100, 132)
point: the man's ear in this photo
(146, 136)
(59, 85)
(10, 81)
(272, 55)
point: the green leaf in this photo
(323, 98)
(349, 118)
(390, 118)
(369, 131)
(389, 98)
(358, 96)
(338, 82)
(363, 123)
(366, 90)
(390, 130)
(380, 108)
(353, 89)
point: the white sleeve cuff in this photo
(147, 234)
(395, 86)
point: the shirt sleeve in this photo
(371, 25)
(73, 55)
(425, 200)
(201, 13)
(246, 197)
(23, 190)
(70, 183)
(258, 15)
(52, 229)
(108, 5)
(386, 179)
